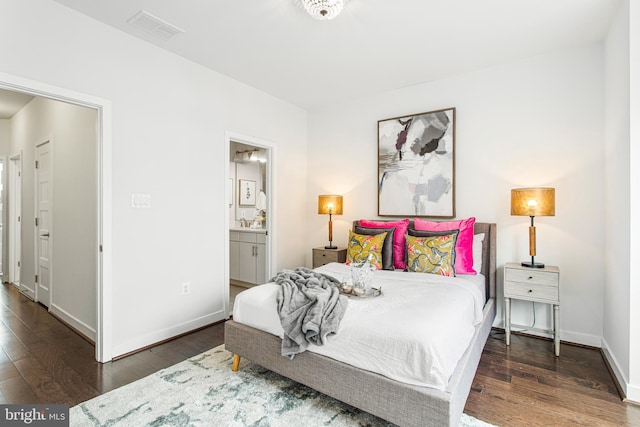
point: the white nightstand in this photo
(532, 284)
(322, 256)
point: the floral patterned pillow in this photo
(432, 254)
(360, 246)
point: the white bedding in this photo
(414, 333)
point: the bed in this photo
(403, 401)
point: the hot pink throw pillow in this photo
(399, 241)
(464, 244)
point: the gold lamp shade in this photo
(533, 202)
(330, 205)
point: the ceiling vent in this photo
(146, 22)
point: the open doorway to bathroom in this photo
(249, 192)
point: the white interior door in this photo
(43, 223)
(15, 212)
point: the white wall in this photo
(633, 392)
(169, 120)
(5, 136)
(621, 336)
(617, 220)
(71, 131)
(537, 122)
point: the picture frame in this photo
(416, 165)
(246, 192)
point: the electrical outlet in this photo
(186, 288)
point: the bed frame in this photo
(399, 403)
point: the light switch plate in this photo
(141, 200)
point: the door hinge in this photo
(36, 222)
(36, 278)
(18, 219)
(18, 263)
(100, 248)
(36, 164)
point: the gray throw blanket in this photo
(310, 308)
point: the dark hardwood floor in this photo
(43, 361)
(526, 385)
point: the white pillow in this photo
(477, 252)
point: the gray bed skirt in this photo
(399, 403)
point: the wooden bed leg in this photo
(236, 363)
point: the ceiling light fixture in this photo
(323, 9)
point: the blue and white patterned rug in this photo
(203, 391)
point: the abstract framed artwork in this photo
(416, 165)
(247, 193)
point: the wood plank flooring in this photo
(43, 361)
(526, 385)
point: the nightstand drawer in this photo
(323, 256)
(532, 292)
(545, 278)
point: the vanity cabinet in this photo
(247, 253)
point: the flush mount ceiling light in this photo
(323, 9)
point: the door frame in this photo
(271, 191)
(36, 234)
(103, 161)
(14, 240)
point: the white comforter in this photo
(414, 333)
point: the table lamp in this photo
(533, 202)
(332, 205)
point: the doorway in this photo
(102, 254)
(249, 254)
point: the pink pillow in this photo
(399, 241)
(464, 244)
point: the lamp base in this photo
(331, 247)
(532, 264)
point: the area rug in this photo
(203, 391)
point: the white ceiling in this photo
(12, 102)
(373, 46)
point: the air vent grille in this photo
(145, 21)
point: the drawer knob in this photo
(530, 277)
(530, 290)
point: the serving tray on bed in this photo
(370, 293)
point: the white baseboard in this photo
(566, 336)
(74, 322)
(27, 292)
(164, 334)
(580, 338)
(633, 393)
(620, 377)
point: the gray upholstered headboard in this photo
(488, 253)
